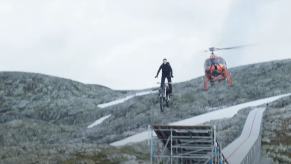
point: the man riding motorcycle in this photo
(167, 72)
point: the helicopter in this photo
(215, 67)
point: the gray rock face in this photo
(264, 159)
(130, 162)
(22, 104)
(276, 131)
(283, 159)
(71, 153)
(47, 98)
(44, 119)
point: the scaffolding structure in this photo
(185, 145)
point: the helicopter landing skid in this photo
(229, 78)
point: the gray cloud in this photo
(120, 44)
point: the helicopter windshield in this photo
(208, 62)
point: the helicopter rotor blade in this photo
(235, 47)
(228, 48)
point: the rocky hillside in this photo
(189, 99)
(276, 131)
(276, 141)
(44, 118)
(76, 153)
(47, 98)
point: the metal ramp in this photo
(246, 149)
(185, 145)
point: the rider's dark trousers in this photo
(169, 80)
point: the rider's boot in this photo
(169, 92)
(168, 95)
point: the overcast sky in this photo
(121, 44)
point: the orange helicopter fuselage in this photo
(215, 68)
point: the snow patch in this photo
(145, 93)
(99, 121)
(226, 112)
(218, 114)
(124, 99)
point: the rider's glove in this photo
(172, 76)
(156, 76)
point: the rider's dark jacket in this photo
(166, 69)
